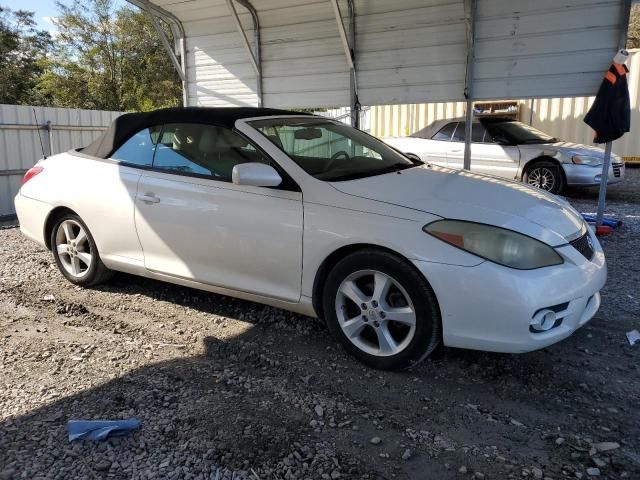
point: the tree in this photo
(633, 35)
(108, 59)
(23, 51)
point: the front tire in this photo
(75, 252)
(381, 310)
(545, 175)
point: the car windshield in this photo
(517, 132)
(329, 150)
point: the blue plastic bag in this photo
(101, 429)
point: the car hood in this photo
(569, 149)
(463, 195)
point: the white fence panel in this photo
(59, 129)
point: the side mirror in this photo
(256, 175)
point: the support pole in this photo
(49, 128)
(470, 20)
(167, 46)
(348, 44)
(604, 177)
(177, 30)
(257, 45)
(253, 57)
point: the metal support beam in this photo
(167, 46)
(606, 163)
(470, 21)
(179, 37)
(348, 44)
(255, 55)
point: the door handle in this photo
(455, 151)
(149, 198)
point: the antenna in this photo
(44, 155)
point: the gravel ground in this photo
(230, 389)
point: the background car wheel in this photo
(545, 175)
(75, 252)
(381, 310)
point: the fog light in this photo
(543, 320)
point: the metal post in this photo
(49, 128)
(604, 177)
(257, 54)
(165, 42)
(470, 20)
(356, 108)
(246, 45)
(348, 43)
(602, 194)
(183, 64)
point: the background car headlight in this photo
(499, 245)
(586, 160)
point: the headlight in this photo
(496, 244)
(586, 160)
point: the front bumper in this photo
(490, 307)
(585, 175)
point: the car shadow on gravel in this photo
(288, 403)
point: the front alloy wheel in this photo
(381, 309)
(545, 176)
(375, 313)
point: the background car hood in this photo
(569, 149)
(470, 196)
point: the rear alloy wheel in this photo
(75, 252)
(546, 176)
(382, 310)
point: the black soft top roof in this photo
(127, 124)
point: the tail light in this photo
(32, 172)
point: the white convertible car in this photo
(511, 150)
(308, 214)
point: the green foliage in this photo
(633, 35)
(23, 51)
(102, 58)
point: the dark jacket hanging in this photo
(610, 114)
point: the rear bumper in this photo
(32, 215)
(585, 175)
(490, 307)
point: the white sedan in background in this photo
(310, 215)
(510, 149)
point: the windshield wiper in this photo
(395, 167)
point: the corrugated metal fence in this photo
(561, 117)
(20, 145)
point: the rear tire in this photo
(75, 252)
(382, 310)
(545, 175)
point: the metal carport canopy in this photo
(389, 52)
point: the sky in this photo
(45, 10)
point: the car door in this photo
(435, 149)
(108, 197)
(486, 156)
(194, 223)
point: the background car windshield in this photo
(331, 151)
(519, 133)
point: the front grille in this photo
(583, 245)
(616, 169)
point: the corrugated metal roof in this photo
(406, 50)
